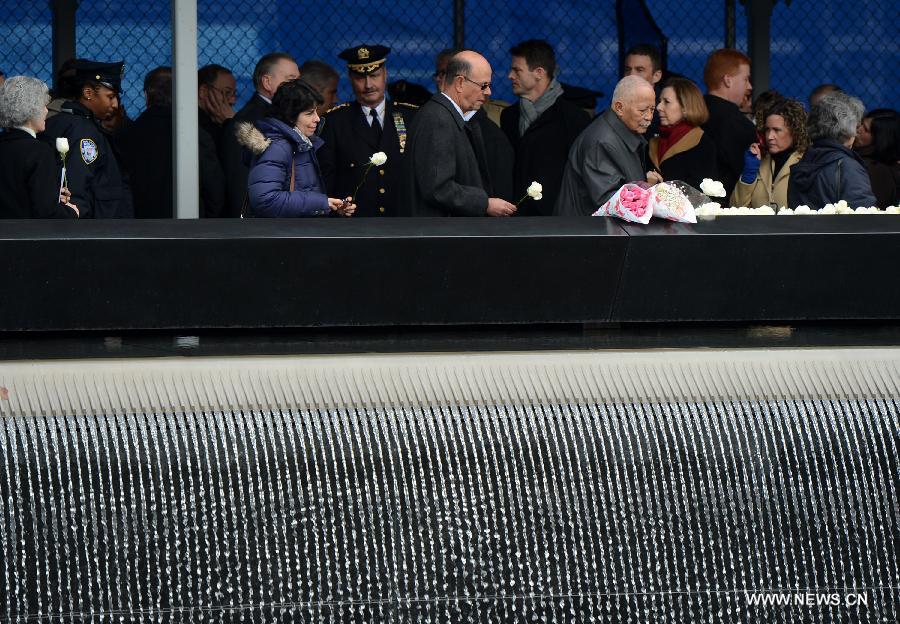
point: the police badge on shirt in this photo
(89, 151)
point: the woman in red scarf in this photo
(682, 151)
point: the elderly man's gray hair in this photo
(836, 116)
(627, 87)
(22, 98)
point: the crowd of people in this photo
(399, 150)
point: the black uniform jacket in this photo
(29, 178)
(96, 180)
(350, 143)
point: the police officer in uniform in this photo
(353, 131)
(94, 176)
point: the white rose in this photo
(712, 188)
(861, 210)
(765, 210)
(786, 211)
(535, 191)
(892, 210)
(62, 146)
(378, 159)
(841, 205)
(803, 210)
(828, 209)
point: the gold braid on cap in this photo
(365, 68)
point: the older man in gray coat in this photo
(610, 152)
(445, 170)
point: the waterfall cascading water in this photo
(468, 510)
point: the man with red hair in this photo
(727, 78)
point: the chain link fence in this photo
(852, 44)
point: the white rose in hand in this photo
(535, 190)
(378, 159)
(712, 188)
(62, 146)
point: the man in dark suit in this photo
(146, 148)
(727, 78)
(446, 172)
(353, 131)
(541, 126)
(271, 70)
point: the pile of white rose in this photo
(713, 188)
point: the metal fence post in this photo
(63, 33)
(184, 109)
(730, 36)
(759, 17)
(459, 23)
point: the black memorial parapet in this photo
(135, 275)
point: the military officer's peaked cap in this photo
(364, 59)
(107, 74)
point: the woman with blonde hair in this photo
(767, 170)
(682, 151)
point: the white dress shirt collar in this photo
(465, 116)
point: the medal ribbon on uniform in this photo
(401, 129)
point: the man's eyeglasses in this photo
(484, 86)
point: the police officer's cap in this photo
(364, 59)
(107, 74)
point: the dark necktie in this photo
(376, 126)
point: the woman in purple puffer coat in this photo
(284, 141)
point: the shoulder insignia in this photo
(405, 104)
(334, 108)
(89, 151)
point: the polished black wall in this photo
(135, 275)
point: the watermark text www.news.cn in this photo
(808, 599)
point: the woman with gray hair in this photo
(830, 171)
(29, 175)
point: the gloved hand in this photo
(751, 166)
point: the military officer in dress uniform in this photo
(93, 175)
(353, 131)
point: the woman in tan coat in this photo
(786, 141)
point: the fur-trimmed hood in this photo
(258, 137)
(250, 137)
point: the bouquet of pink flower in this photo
(629, 203)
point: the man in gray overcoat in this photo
(610, 152)
(446, 169)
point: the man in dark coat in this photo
(146, 147)
(353, 131)
(727, 78)
(541, 126)
(271, 70)
(446, 171)
(610, 152)
(94, 175)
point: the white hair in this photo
(627, 88)
(835, 116)
(22, 99)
